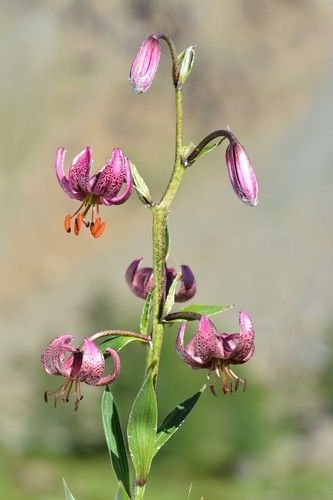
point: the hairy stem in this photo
(160, 215)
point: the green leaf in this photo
(189, 492)
(140, 186)
(145, 314)
(206, 310)
(121, 493)
(186, 61)
(68, 494)
(175, 419)
(141, 430)
(114, 439)
(170, 300)
(208, 149)
(117, 342)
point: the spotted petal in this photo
(108, 180)
(118, 200)
(53, 355)
(92, 366)
(79, 173)
(62, 179)
(115, 372)
(188, 285)
(245, 347)
(189, 355)
(208, 346)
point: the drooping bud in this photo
(145, 65)
(186, 61)
(241, 173)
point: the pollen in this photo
(78, 224)
(67, 223)
(97, 227)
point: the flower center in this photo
(95, 224)
(230, 381)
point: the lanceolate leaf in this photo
(114, 439)
(141, 430)
(68, 494)
(145, 314)
(121, 493)
(170, 300)
(175, 419)
(140, 186)
(117, 342)
(206, 310)
(208, 149)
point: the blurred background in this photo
(265, 69)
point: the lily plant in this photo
(159, 286)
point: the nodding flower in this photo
(217, 351)
(100, 189)
(84, 364)
(141, 281)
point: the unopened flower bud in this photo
(242, 176)
(186, 60)
(145, 65)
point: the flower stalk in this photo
(160, 215)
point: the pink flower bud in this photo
(242, 176)
(145, 65)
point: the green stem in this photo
(138, 493)
(160, 215)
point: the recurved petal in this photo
(118, 200)
(53, 355)
(62, 179)
(108, 180)
(92, 366)
(79, 172)
(140, 281)
(115, 372)
(229, 343)
(131, 270)
(245, 347)
(189, 354)
(188, 285)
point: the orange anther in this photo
(94, 226)
(78, 224)
(68, 223)
(100, 230)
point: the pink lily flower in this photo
(84, 364)
(209, 349)
(141, 281)
(100, 189)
